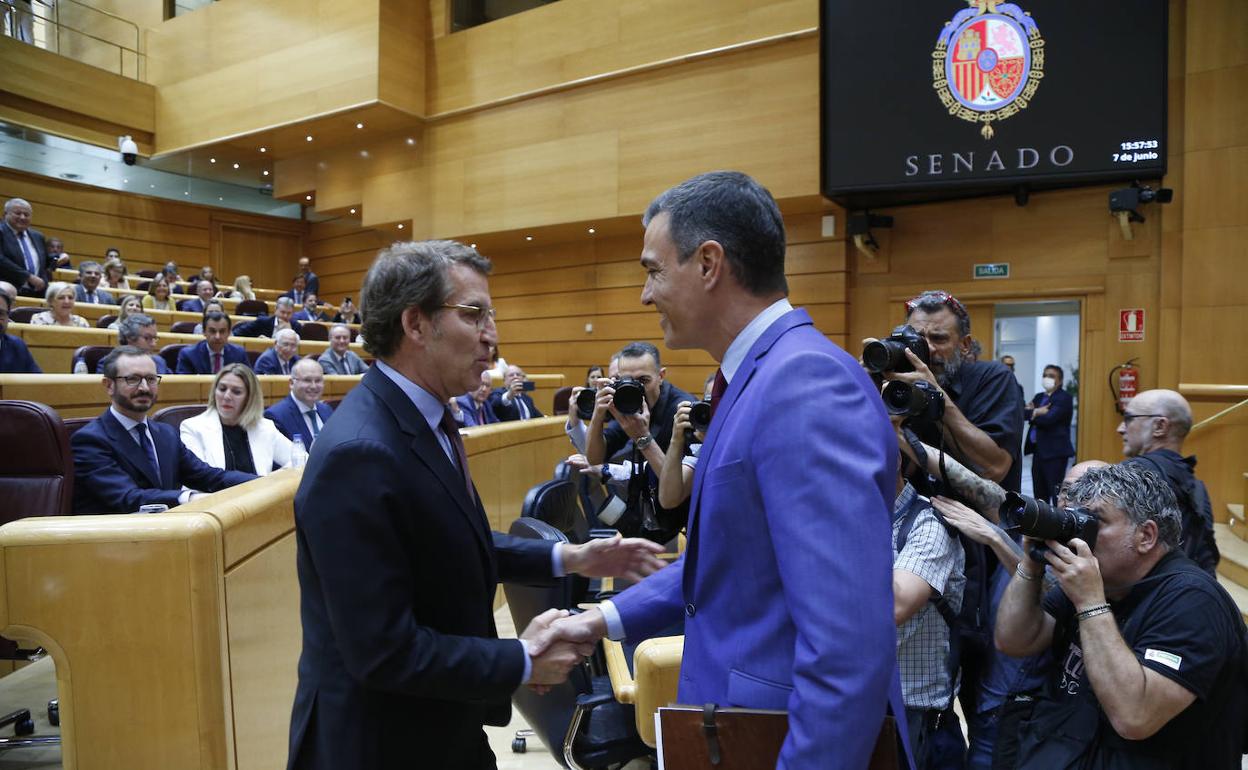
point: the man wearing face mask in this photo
(1048, 439)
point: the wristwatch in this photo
(643, 442)
(606, 473)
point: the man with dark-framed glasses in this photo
(123, 461)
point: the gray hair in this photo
(108, 364)
(285, 302)
(640, 350)
(12, 203)
(1139, 493)
(287, 332)
(82, 268)
(131, 326)
(933, 301)
(736, 212)
(405, 275)
(344, 327)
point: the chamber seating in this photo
(22, 315)
(173, 416)
(183, 327)
(37, 476)
(314, 330)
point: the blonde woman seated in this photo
(233, 433)
(242, 289)
(158, 295)
(60, 300)
(115, 274)
(130, 304)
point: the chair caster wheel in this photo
(519, 746)
(24, 727)
(54, 712)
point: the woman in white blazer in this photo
(233, 433)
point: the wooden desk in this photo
(176, 636)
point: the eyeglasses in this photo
(133, 380)
(1127, 418)
(481, 316)
(940, 296)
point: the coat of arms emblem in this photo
(988, 63)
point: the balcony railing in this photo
(43, 25)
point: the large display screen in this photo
(929, 99)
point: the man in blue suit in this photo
(204, 292)
(282, 356)
(511, 402)
(15, 357)
(1048, 439)
(215, 351)
(474, 408)
(123, 461)
(23, 253)
(785, 587)
(302, 413)
(88, 290)
(268, 325)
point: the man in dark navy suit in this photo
(123, 461)
(511, 402)
(215, 351)
(1048, 439)
(401, 663)
(474, 408)
(268, 325)
(282, 356)
(88, 290)
(15, 357)
(204, 291)
(23, 252)
(311, 283)
(302, 413)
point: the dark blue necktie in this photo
(312, 420)
(140, 430)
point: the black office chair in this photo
(556, 503)
(579, 721)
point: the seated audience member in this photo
(268, 325)
(60, 301)
(340, 359)
(204, 292)
(298, 289)
(347, 314)
(88, 289)
(15, 357)
(282, 356)
(302, 413)
(10, 291)
(242, 289)
(511, 402)
(232, 433)
(214, 352)
(213, 306)
(311, 309)
(123, 461)
(170, 271)
(56, 253)
(592, 376)
(1048, 438)
(638, 361)
(128, 306)
(206, 273)
(139, 331)
(474, 408)
(158, 292)
(115, 273)
(312, 284)
(1149, 650)
(1154, 425)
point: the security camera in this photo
(129, 150)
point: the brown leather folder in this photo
(711, 738)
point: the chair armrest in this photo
(622, 684)
(656, 670)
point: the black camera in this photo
(920, 401)
(889, 354)
(629, 396)
(585, 403)
(1038, 519)
(700, 415)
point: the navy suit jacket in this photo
(197, 360)
(15, 357)
(397, 573)
(101, 294)
(1052, 429)
(262, 327)
(13, 262)
(469, 409)
(287, 415)
(268, 363)
(506, 412)
(161, 366)
(785, 586)
(113, 475)
(191, 305)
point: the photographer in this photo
(512, 401)
(640, 363)
(1149, 650)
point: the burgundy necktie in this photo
(450, 429)
(717, 390)
(216, 362)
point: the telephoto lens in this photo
(1037, 519)
(585, 403)
(700, 416)
(629, 396)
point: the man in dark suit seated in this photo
(280, 358)
(88, 289)
(138, 330)
(298, 289)
(474, 408)
(267, 325)
(311, 309)
(23, 253)
(215, 351)
(15, 357)
(204, 292)
(123, 461)
(302, 413)
(511, 402)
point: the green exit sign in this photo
(993, 270)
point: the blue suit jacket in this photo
(287, 415)
(161, 366)
(191, 305)
(13, 262)
(786, 583)
(101, 294)
(1053, 428)
(196, 359)
(262, 327)
(113, 475)
(469, 409)
(268, 363)
(15, 357)
(506, 412)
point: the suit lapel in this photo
(130, 450)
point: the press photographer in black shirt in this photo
(1149, 651)
(637, 361)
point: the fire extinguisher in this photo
(1128, 379)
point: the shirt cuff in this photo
(506, 398)
(556, 560)
(528, 662)
(615, 626)
(185, 496)
(621, 471)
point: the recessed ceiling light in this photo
(473, 245)
(186, 192)
(410, 141)
(266, 172)
(235, 165)
(307, 197)
(308, 137)
(591, 231)
(264, 149)
(152, 186)
(220, 198)
(359, 125)
(528, 237)
(125, 181)
(212, 160)
(400, 226)
(363, 153)
(352, 211)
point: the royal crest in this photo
(988, 63)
